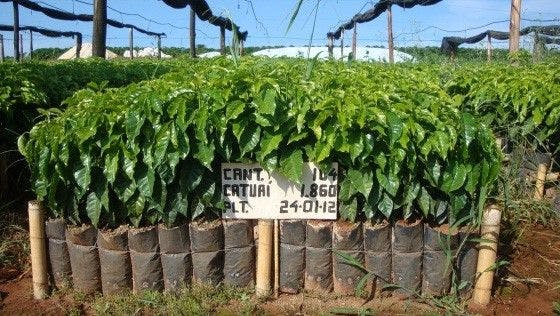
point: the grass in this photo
(197, 300)
(14, 242)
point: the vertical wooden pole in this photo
(264, 257)
(354, 40)
(539, 183)
(131, 42)
(390, 35)
(78, 45)
(1, 48)
(20, 46)
(538, 47)
(342, 44)
(514, 26)
(38, 250)
(276, 258)
(30, 44)
(487, 255)
(16, 30)
(489, 48)
(192, 32)
(330, 46)
(222, 40)
(159, 46)
(99, 40)
(241, 47)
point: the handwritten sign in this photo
(251, 192)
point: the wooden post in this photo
(489, 48)
(330, 46)
(354, 39)
(342, 44)
(487, 255)
(30, 44)
(16, 31)
(390, 35)
(538, 47)
(20, 46)
(192, 32)
(514, 26)
(38, 250)
(222, 40)
(241, 47)
(540, 180)
(159, 46)
(264, 257)
(99, 40)
(131, 42)
(276, 258)
(78, 45)
(1, 48)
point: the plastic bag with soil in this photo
(84, 258)
(207, 244)
(116, 269)
(238, 233)
(318, 256)
(292, 266)
(175, 258)
(346, 276)
(440, 246)
(377, 247)
(292, 232)
(407, 258)
(59, 258)
(467, 259)
(145, 259)
(239, 267)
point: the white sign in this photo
(251, 192)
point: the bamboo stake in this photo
(38, 250)
(264, 257)
(539, 183)
(192, 32)
(487, 255)
(276, 258)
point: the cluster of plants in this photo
(150, 152)
(519, 103)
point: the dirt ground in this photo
(527, 286)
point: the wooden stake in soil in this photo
(276, 258)
(264, 257)
(38, 250)
(539, 183)
(487, 255)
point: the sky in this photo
(267, 21)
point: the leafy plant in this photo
(150, 152)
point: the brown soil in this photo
(527, 286)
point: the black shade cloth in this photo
(374, 12)
(451, 43)
(67, 16)
(204, 13)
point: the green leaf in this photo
(292, 166)
(93, 208)
(385, 206)
(269, 142)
